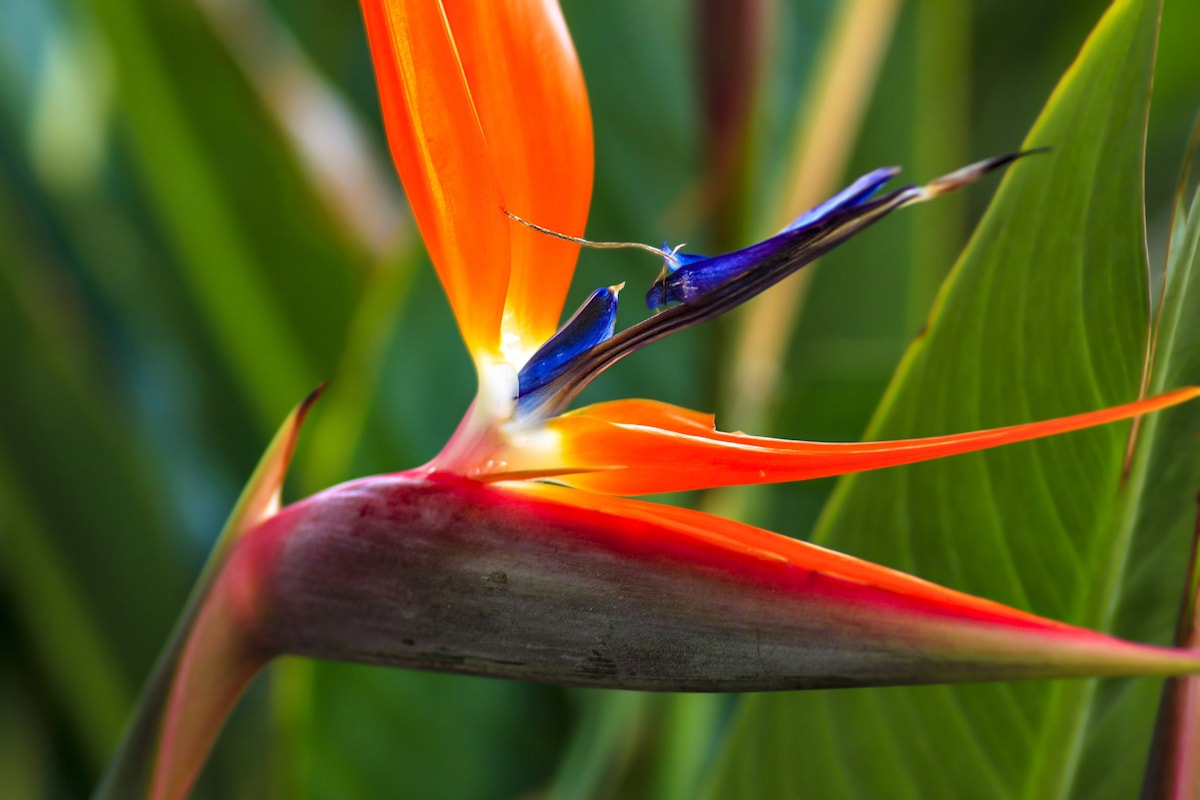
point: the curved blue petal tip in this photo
(592, 324)
(860, 191)
(686, 277)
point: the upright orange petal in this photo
(529, 94)
(443, 160)
(643, 447)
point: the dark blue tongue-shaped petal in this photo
(862, 189)
(700, 274)
(589, 326)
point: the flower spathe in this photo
(514, 553)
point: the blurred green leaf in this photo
(1045, 314)
(70, 649)
(1169, 484)
(275, 293)
(79, 491)
(427, 736)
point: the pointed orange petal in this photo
(443, 160)
(643, 447)
(529, 94)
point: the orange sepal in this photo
(643, 447)
(529, 94)
(443, 160)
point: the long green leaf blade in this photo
(1046, 313)
(1174, 769)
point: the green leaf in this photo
(1045, 314)
(1173, 768)
(72, 655)
(272, 281)
(155, 734)
(361, 714)
(76, 491)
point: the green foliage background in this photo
(173, 279)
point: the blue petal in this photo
(706, 274)
(592, 324)
(692, 276)
(673, 259)
(857, 192)
(701, 288)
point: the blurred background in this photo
(199, 223)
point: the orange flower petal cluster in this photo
(486, 110)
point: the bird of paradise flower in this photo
(516, 551)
